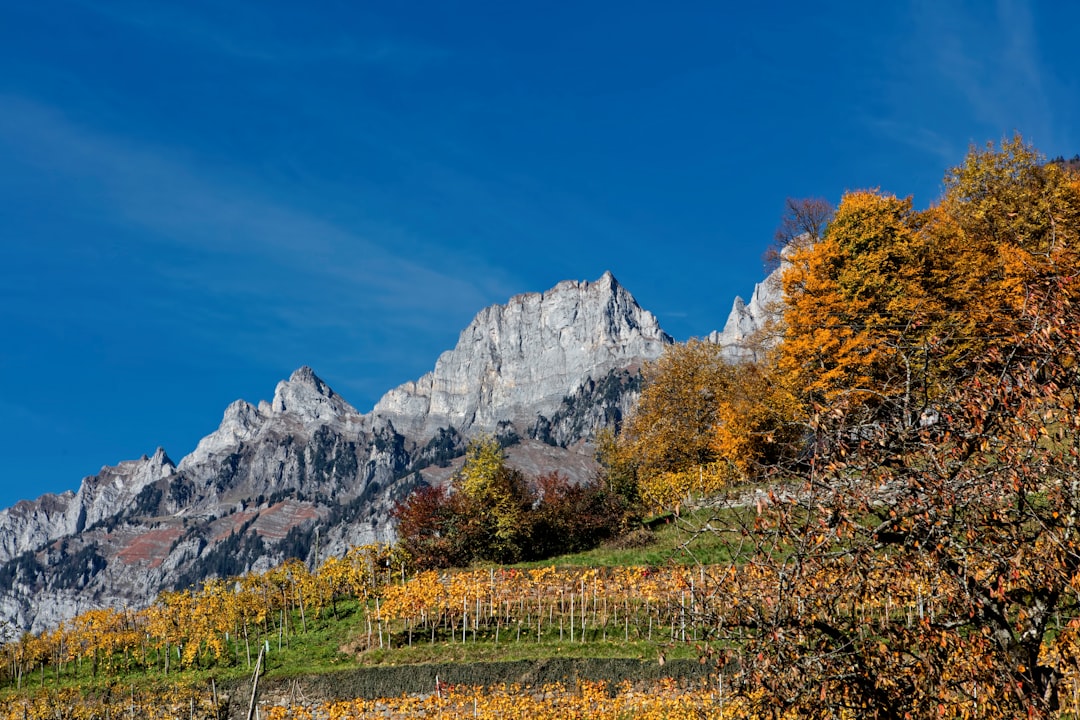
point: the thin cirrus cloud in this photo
(991, 62)
(956, 75)
(250, 34)
(175, 203)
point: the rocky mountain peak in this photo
(307, 397)
(31, 524)
(304, 399)
(518, 360)
(159, 461)
(743, 337)
(241, 422)
(155, 466)
(543, 371)
(304, 375)
(113, 487)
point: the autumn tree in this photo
(804, 221)
(667, 439)
(922, 560)
(702, 423)
(497, 498)
(804, 218)
(893, 302)
(855, 303)
(491, 511)
(426, 528)
(572, 517)
(482, 515)
(758, 420)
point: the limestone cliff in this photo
(519, 360)
(752, 327)
(305, 474)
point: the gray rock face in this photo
(521, 359)
(753, 327)
(303, 401)
(116, 487)
(29, 525)
(545, 371)
(311, 401)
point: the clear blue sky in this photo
(198, 197)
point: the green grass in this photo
(487, 651)
(679, 541)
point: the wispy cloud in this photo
(970, 72)
(174, 202)
(923, 139)
(990, 58)
(247, 31)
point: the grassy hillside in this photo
(361, 648)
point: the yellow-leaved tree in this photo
(701, 424)
(483, 514)
(498, 498)
(667, 441)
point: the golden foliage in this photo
(924, 556)
(703, 423)
(852, 299)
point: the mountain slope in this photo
(521, 359)
(307, 474)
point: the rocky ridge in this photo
(747, 330)
(519, 360)
(542, 372)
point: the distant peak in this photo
(306, 375)
(161, 457)
(305, 394)
(607, 284)
(522, 359)
(604, 285)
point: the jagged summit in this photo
(303, 399)
(741, 338)
(543, 370)
(31, 524)
(305, 395)
(304, 375)
(518, 360)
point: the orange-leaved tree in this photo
(922, 559)
(855, 303)
(702, 424)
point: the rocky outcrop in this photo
(542, 372)
(519, 360)
(302, 401)
(31, 524)
(753, 327)
(116, 487)
(593, 405)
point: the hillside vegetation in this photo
(877, 518)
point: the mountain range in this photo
(307, 475)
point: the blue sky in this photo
(198, 197)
